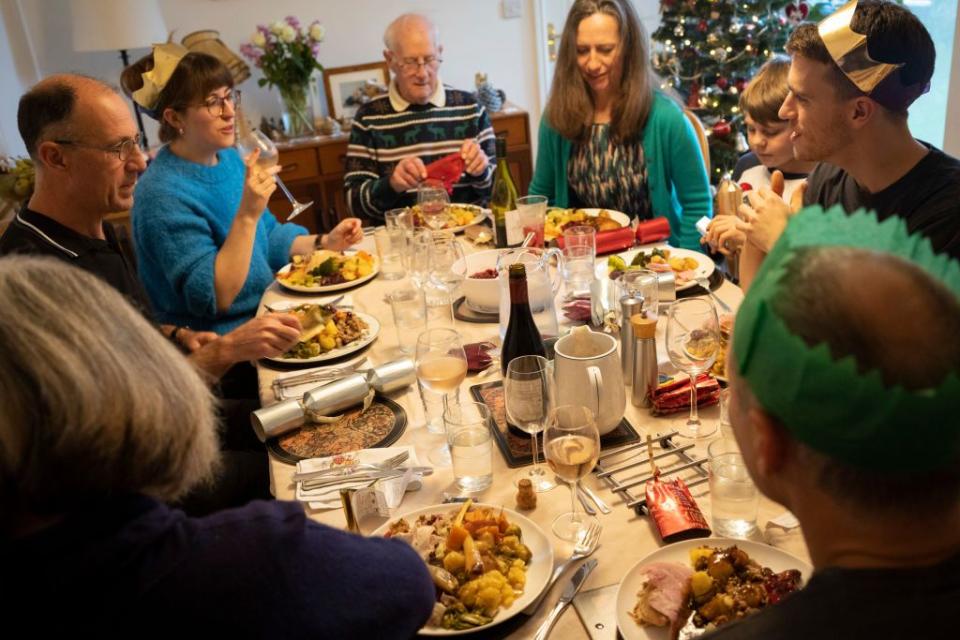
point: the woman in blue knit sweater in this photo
(206, 244)
(607, 139)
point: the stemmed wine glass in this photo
(248, 140)
(693, 343)
(441, 367)
(434, 201)
(528, 398)
(571, 444)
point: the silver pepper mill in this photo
(645, 372)
(629, 307)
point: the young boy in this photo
(770, 151)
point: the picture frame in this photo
(339, 84)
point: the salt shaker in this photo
(645, 373)
(629, 307)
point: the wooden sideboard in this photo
(313, 169)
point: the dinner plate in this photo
(330, 287)
(538, 571)
(481, 215)
(777, 559)
(613, 214)
(705, 265)
(371, 334)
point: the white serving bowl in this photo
(482, 294)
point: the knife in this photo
(568, 593)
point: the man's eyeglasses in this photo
(124, 149)
(216, 104)
(412, 65)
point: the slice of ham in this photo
(674, 396)
(663, 593)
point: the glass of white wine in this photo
(441, 368)
(248, 140)
(693, 344)
(434, 203)
(571, 444)
(528, 397)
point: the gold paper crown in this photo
(166, 57)
(849, 50)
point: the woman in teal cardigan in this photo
(607, 139)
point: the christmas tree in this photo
(707, 50)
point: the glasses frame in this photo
(412, 65)
(233, 95)
(123, 149)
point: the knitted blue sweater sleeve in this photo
(279, 238)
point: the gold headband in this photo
(849, 50)
(166, 57)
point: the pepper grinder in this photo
(629, 307)
(645, 372)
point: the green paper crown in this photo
(825, 402)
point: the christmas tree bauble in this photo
(721, 129)
(722, 82)
(702, 26)
(736, 26)
(679, 31)
(719, 54)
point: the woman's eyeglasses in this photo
(216, 104)
(124, 149)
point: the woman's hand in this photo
(258, 185)
(347, 233)
(726, 234)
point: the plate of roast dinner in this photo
(327, 333)
(689, 588)
(326, 270)
(685, 264)
(487, 562)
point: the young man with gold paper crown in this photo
(852, 79)
(849, 420)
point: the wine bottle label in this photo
(525, 401)
(514, 228)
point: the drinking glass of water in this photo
(434, 203)
(580, 254)
(409, 307)
(734, 498)
(471, 445)
(441, 367)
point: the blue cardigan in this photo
(181, 215)
(676, 177)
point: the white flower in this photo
(289, 34)
(258, 40)
(317, 32)
(277, 28)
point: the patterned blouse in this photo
(603, 173)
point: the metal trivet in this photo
(626, 470)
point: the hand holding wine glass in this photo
(693, 344)
(258, 185)
(249, 140)
(528, 398)
(434, 202)
(571, 444)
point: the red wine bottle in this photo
(522, 337)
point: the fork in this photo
(587, 543)
(332, 303)
(703, 282)
(384, 465)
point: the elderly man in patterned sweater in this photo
(395, 136)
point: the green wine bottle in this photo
(503, 201)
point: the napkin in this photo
(653, 230)
(447, 169)
(477, 357)
(385, 495)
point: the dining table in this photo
(627, 537)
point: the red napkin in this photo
(610, 241)
(674, 395)
(477, 357)
(447, 169)
(653, 230)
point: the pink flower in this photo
(293, 22)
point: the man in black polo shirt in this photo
(851, 116)
(85, 147)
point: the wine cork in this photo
(643, 325)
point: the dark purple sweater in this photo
(132, 566)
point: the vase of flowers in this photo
(16, 183)
(286, 54)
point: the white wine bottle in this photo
(503, 201)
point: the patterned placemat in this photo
(515, 444)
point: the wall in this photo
(475, 37)
(17, 72)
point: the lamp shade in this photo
(110, 25)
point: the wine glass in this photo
(445, 252)
(571, 444)
(693, 344)
(528, 397)
(441, 367)
(433, 200)
(249, 140)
